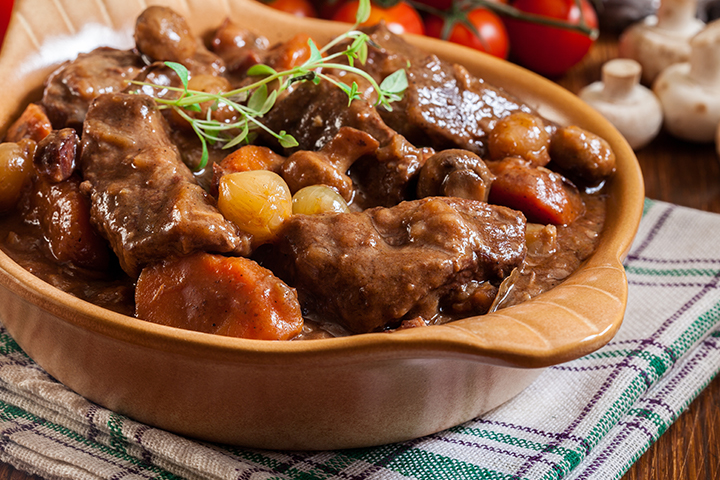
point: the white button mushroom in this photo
(661, 40)
(632, 108)
(689, 92)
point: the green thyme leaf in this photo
(205, 155)
(363, 12)
(362, 53)
(239, 137)
(286, 140)
(181, 71)
(315, 55)
(269, 103)
(396, 82)
(261, 70)
(258, 98)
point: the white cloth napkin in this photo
(586, 419)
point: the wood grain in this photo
(685, 174)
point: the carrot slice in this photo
(541, 194)
(232, 296)
(33, 124)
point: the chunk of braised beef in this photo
(313, 114)
(444, 105)
(455, 173)
(390, 176)
(156, 77)
(71, 87)
(181, 132)
(145, 200)
(371, 270)
(56, 155)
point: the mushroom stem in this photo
(705, 56)
(677, 15)
(620, 76)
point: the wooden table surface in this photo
(682, 173)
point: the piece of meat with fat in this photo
(69, 90)
(145, 201)
(371, 270)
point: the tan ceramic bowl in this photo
(319, 394)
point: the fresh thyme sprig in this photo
(253, 101)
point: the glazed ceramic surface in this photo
(319, 394)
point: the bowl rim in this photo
(458, 338)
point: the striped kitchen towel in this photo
(585, 419)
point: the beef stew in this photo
(402, 256)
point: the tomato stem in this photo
(464, 6)
(513, 12)
(458, 13)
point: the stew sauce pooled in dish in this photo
(364, 197)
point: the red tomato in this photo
(493, 37)
(299, 8)
(549, 50)
(5, 11)
(327, 8)
(400, 18)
